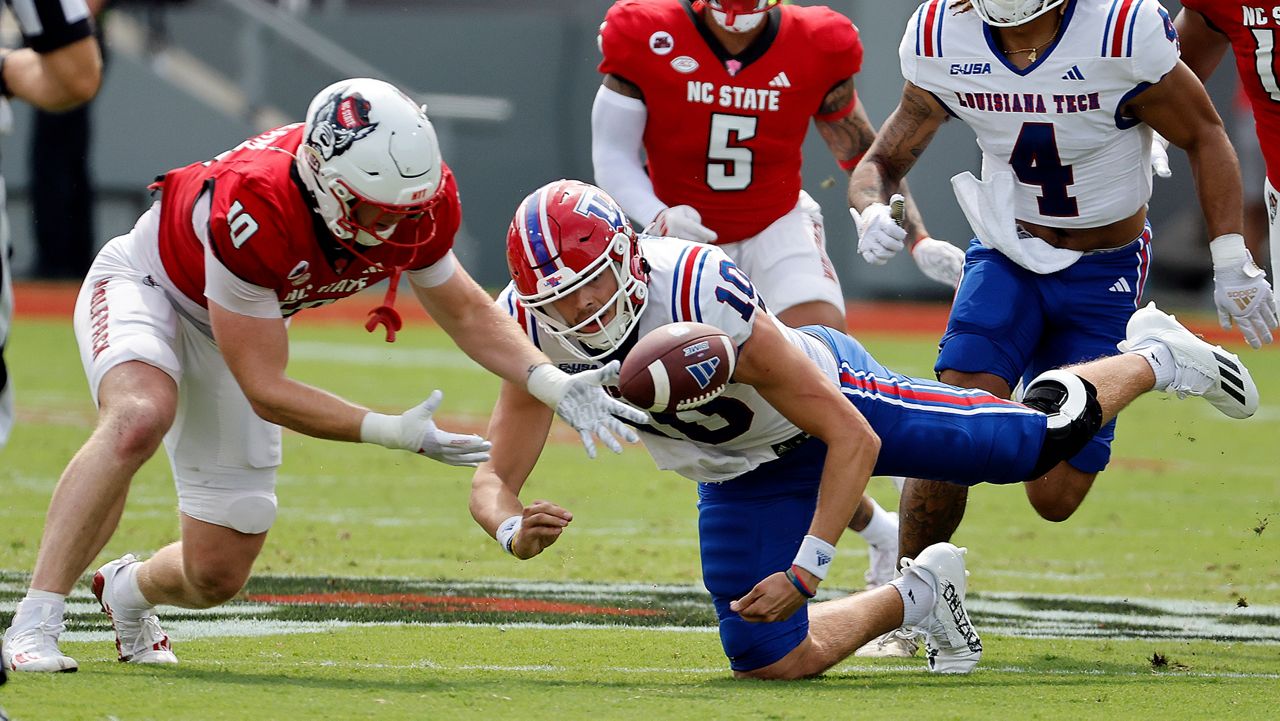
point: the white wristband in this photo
(381, 429)
(1228, 250)
(547, 383)
(507, 532)
(815, 556)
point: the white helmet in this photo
(1006, 13)
(738, 16)
(367, 145)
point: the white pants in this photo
(224, 457)
(788, 262)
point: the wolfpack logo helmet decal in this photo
(339, 123)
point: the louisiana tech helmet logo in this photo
(339, 123)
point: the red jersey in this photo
(263, 229)
(724, 132)
(1253, 29)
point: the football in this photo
(677, 367)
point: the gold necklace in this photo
(1031, 51)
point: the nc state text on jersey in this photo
(1258, 16)
(1030, 102)
(732, 96)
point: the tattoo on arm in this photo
(851, 135)
(901, 141)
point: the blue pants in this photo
(751, 526)
(1016, 324)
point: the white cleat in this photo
(884, 560)
(1200, 369)
(138, 640)
(951, 643)
(35, 649)
(898, 643)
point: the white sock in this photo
(127, 598)
(917, 595)
(38, 606)
(1160, 358)
(882, 529)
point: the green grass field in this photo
(378, 596)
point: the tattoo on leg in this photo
(929, 512)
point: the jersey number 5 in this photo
(1035, 160)
(728, 163)
(1265, 60)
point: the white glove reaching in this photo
(681, 221)
(1241, 290)
(583, 403)
(880, 236)
(414, 431)
(1160, 155)
(939, 260)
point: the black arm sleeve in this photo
(48, 25)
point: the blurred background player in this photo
(63, 194)
(59, 68)
(1053, 276)
(182, 325)
(1206, 29)
(717, 97)
(783, 454)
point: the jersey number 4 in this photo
(1035, 160)
(728, 162)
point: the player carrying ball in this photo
(782, 456)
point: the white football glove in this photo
(582, 402)
(1160, 155)
(939, 260)
(681, 221)
(1241, 290)
(880, 237)
(414, 431)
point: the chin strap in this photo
(385, 315)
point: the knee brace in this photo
(1074, 416)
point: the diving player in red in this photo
(182, 327)
(1207, 28)
(717, 97)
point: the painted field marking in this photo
(839, 670)
(296, 604)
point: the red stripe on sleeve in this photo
(931, 17)
(686, 279)
(1117, 33)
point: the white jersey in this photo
(737, 431)
(1057, 123)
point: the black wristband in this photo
(4, 85)
(795, 581)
